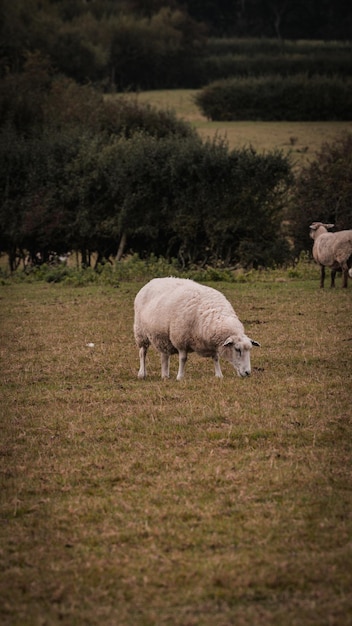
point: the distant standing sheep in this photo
(178, 315)
(332, 250)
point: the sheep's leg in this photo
(333, 274)
(165, 365)
(182, 358)
(344, 268)
(218, 372)
(344, 278)
(142, 369)
(322, 276)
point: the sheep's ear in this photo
(329, 226)
(314, 226)
(228, 342)
(254, 343)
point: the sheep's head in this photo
(317, 226)
(237, 351)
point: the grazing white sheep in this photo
(332, 250)
(178, 315)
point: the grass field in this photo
(206, 502)
(301, 140)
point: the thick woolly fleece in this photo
(179, 315)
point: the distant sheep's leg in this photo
(218, 372)
(142, 354)
(333, 274)
(322, 276)
(165, 365)
(344, 268)
(182, 358)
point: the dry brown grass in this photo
(204, 502)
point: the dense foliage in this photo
(80, 172)
(94, 174)
(322, 19)
(163, 44)
(323, 191)
(111, 44)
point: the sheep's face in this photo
(238, 353)
(312, 232)
(317, 228)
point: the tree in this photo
(155, 52)
(22, 95)
(14, 161)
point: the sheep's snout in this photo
(243, 370)
(244, 373)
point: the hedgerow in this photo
(270, 98)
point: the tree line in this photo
(82, 172)
(79, 172)
(156, 44)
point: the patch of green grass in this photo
(133, 268)
(156, 502)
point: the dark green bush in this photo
(175, 197)
(272, 98)
(96, 175)
(68, 104)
